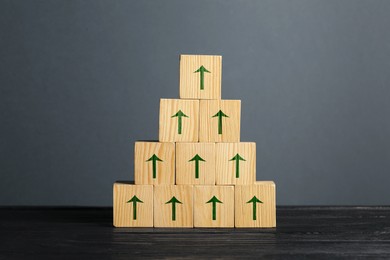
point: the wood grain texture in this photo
(168, 125)
(302, 233)
(203, 211)
(123, 212)
(208, 125)
(143, 169)
(226, 167)
(186, 169)
(265, 215)
(163, 215)
(190, 80)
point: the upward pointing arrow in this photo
(197, 159)
(220, 114)
(254, 200)
(173, 200)
(237, 158)
(135, 200)
(154, 159)
(179, 115)
(202, 70)
(214, 200)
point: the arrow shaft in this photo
(179, 125)
(201, 79)
(254, 210)
(220, 124)
(154, 168)
(134, 210)
(173, 211)
(197, 169)
(214, 210)
(237, 168)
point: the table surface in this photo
(87, 233)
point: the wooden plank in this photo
(173, 206)
(214, 206)
(255, 205)
(319, 232)
(133, 205)
(195, 163)
(154, 163)
(179, 120)
(235, 163)
(219, 120)
(200, 76)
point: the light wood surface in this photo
(203, 211)
(265, 210)
(169, 124)
(123, 210)
(173, 212)
(209, 123)
(190, 80)
(186, 161)
(199, 173)
(226, 168)
(143, 163)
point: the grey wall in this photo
(81, 81)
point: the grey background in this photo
(81, 81)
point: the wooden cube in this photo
(133, 205)
(200, 76)
(255, 205)
(219, 120)
(214, 206)
(179, 120)
(173, 206)
(235, 163)
(195, 163)
(154, 163)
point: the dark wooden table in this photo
(302, 232)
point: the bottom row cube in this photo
(194, 206)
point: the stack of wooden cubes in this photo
(199, 174)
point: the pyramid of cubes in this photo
(198, 174)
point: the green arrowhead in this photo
(173, 200)
(179, 115)
(154, 159)
(202, 70)
(254, 200)
(220, 114)
(197, 158)
(214, 201)
(134, 200)
(237, 158)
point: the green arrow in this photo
(220, 114)
(135, 200)
(237, 158)
(254, 200)
(154, 159)
(197, 158)
(202, 70)
(179, 115)
(214, 200)
(173, 200)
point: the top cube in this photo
(200, 76)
